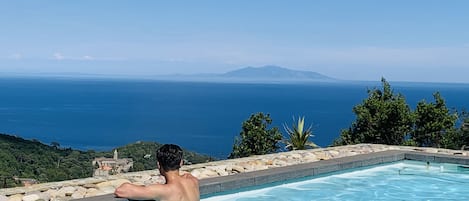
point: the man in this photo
(177, 188)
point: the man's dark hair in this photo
(169, 157)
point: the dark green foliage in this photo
(458, 138)
(143, 155)
(137, 152)
(256, 138)
(382, 118)
(32, 159)
(386, 118)
(464, 139)
(432, 122)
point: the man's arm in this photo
(136, 192)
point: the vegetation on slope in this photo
(32, 159)
(143, 155)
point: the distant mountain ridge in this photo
(263, 74)
(267, 74)
(274, 72)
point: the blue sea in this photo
(102, 114)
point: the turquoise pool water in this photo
(406, 180)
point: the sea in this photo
(206, 117)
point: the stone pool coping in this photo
(249, 179)
(260, 177)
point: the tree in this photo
(256, 138)
(299, 137)
(464, 133)
(382, 118)
(432, 122)
(458, 138)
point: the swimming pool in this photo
(404, 180)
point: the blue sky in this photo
(402, 40)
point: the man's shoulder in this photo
(190, 177)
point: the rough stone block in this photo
(66, 191)
(237, 168)
(32, 197)
(114, 183)
(16, 197)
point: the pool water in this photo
(406, 180)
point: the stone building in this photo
(113, 165)
(25, 181)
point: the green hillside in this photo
(137, 151)
(45, 163)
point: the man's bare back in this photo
(181, 188)
(177, 188)
(186, 189)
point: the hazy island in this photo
(264, 74)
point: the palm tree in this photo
(299, 137)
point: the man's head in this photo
(169, 157)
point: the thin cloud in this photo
(58, 56)
(87, 57)
(16, 56)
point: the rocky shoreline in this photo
(95, 186)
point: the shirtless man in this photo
(177, 188)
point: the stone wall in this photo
(90, 187)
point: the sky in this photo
(401, 40)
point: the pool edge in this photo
(255, 178)
(278, 174)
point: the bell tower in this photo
(115, 154)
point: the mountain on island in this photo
(275, 73)
(267, 74)
(263, 74)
